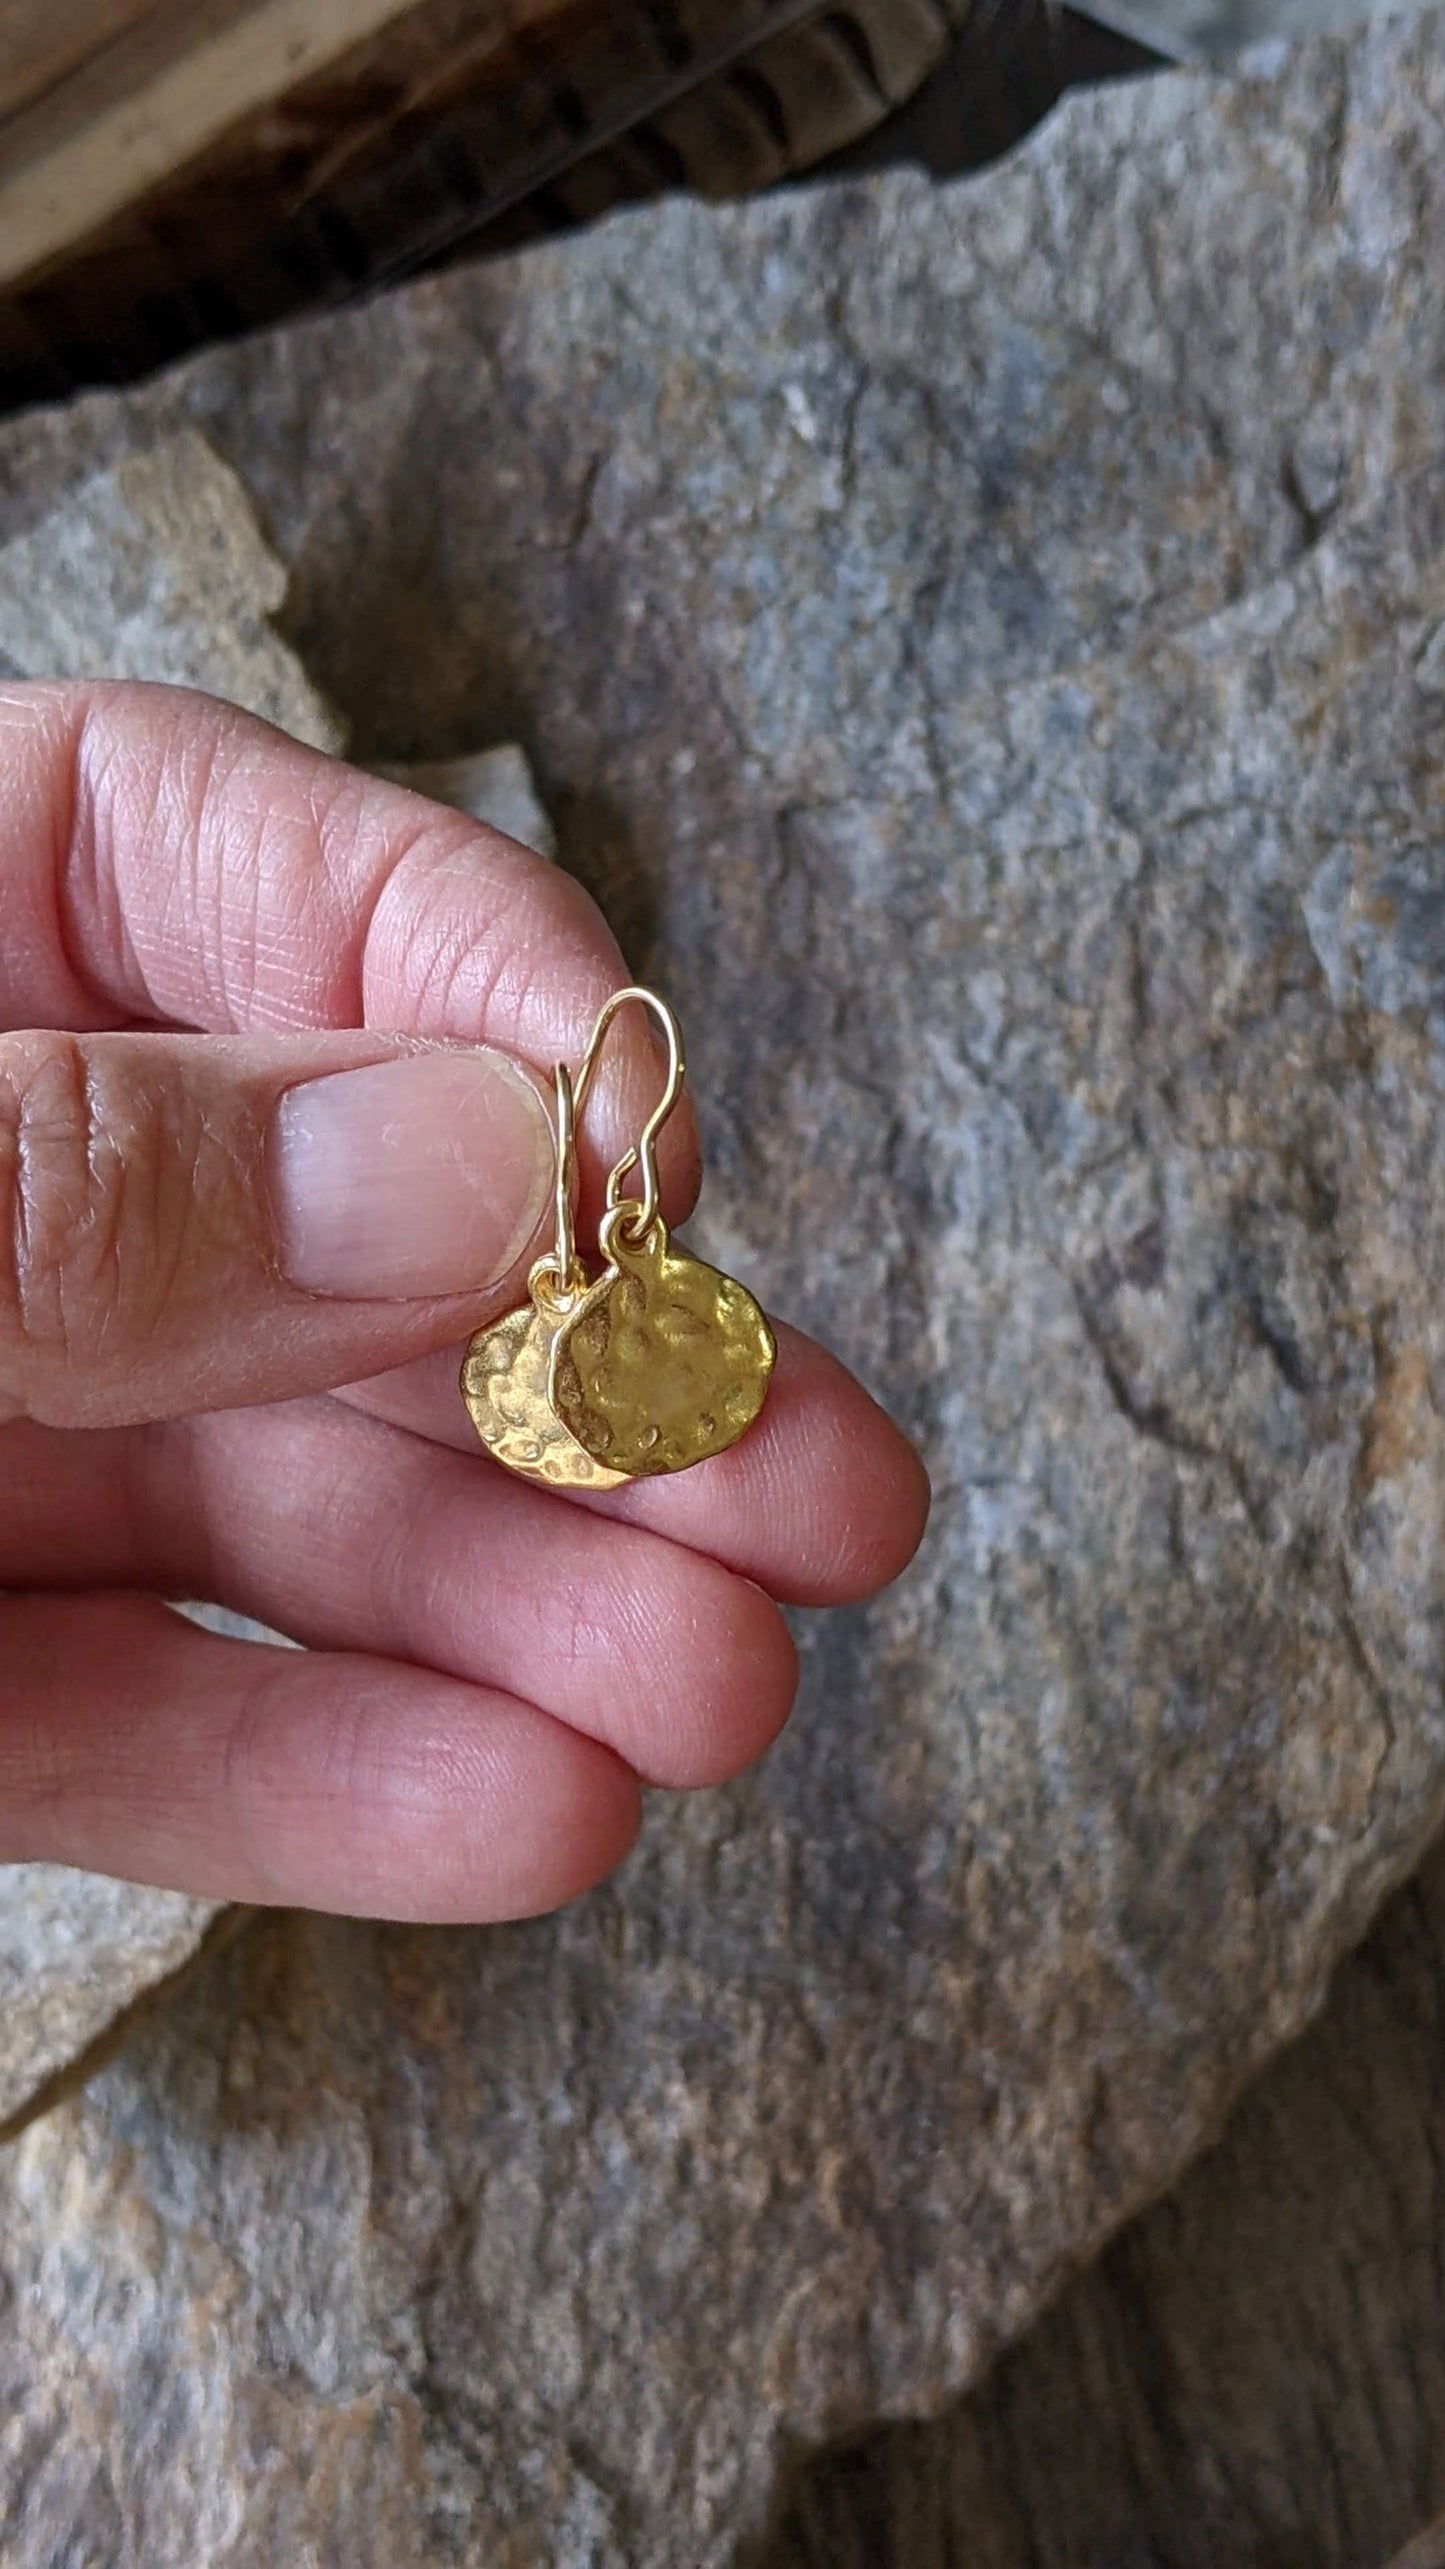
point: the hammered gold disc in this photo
(504, 1384)
(663, 1362)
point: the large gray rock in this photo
(75, 1951)
(1189, 29)
(986, 647)
(158, 569)
(1252, 2376)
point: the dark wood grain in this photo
(41, 41)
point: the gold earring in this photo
(654, 1365)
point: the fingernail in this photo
(419, 1176)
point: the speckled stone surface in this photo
(158, 569)
(75, 1949)
(1252, 2374)
(987, 647)
(1219, 29)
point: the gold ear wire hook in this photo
(559, 1276)
(656, 1363)
(568, 1272)
(645, 1149)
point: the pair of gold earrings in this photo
(652, 1365)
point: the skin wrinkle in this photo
(104, 1224)
(181, 793)
(259, 1778)
(256, 982)
(346, 1766)
(369, 948)
(608, 1648)
(77, 1801)
(409, 1576)
(106, 1209)
(362, 928)
(93, 757)
(238, 1763)
(64, 823)
(183, 1503)
(142, 1477)
(50, 1122)
(35, 1776)
(451, 975)
(236, 1566)
(18, 1225)
(485, 951)
(236, 932)
(422, 1775)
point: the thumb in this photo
(189, 1222)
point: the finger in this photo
(188, 1223)
(133, 1743)
(74, 1510)
(822, 1502)
(165, 857)
(349, 1535)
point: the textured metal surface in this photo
(505, 1386)
(664, 1362)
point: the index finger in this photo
(166, 858)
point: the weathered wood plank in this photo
(45, 41)
(129, 117)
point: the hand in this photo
(247, 1164)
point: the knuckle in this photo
(76, 1275)
(459, 917)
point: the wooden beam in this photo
(120, 119)
(43, 41)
